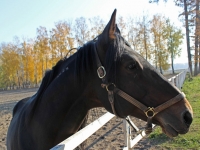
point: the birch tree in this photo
(159, 40)
(133, 32)
(96, 26)
(144, 37)
(81, 31)
(174, 40)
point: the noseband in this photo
(111, 88)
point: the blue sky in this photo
(22, 17)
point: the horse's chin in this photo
(172, 132)
(169, 131)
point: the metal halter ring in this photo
(110, 84)
(101, 72)
(150, 113)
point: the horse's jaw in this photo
(172, 131)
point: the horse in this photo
(105, 72)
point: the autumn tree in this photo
(61, 40)
(10, 64)
(187, 5)
(2, 85)
(197, 38)
(174, 38)
(4, 79)
(96, 26)
(122, 26)
(144, 37)
(133, 32)
(16, 43)
(42, 43)
(28, 61)
(81, 31)
(159, 41)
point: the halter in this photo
(111, 88)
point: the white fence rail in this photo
(178, 79)
(76, 139)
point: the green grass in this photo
(191, 140)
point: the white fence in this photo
(76, 139)
(178, 79)
(165, 72)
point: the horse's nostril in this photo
(187, 118)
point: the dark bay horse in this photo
(103, 73)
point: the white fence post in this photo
(172, 80)
(127, 136)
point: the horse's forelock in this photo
(113, 55)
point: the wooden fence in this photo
(76, 139)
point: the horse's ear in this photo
(117, 30)
(108, 33)
(112, 25)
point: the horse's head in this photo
(136, 87)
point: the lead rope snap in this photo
(148, 127)
(150, 113)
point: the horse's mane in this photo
(50, 75)
(82, 61)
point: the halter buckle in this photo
(101, 72)
(150, 113)
(112, 88)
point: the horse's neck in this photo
(66, 102)
(65, 89)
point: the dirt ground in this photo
(109, 137)
(8, 99)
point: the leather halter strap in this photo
(111, 88)
(138, 104)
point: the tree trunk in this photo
(187, 36)
(172, 54)
(26, 72)
(198, 31)
(160, 62)
(156, 57)
(199, 56)
(18, 79)
(42, 67)
(36, 75)
(145, 43)
(172, 61)
(161, 70)
(196, 58)
(46, 62)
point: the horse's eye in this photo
(132, 66)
